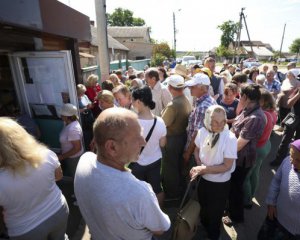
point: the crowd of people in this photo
(140, 137)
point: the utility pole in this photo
(242, 17)
(174, 29)
(103, 55)
(282, 40)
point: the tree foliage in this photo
(229, 29)
(123, 17)
(295, 47)
(223, 51)
(160, 52)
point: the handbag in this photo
(291, 120)
(186, 222)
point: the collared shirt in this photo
(196, 117)
(249, 125)
(274, 86)
(161, 96)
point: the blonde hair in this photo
(91, 80)
(81, 89)
(115, 79)
(106, 96)
(18, 148)
(121, 89)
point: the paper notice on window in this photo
(32, 93)
(41, 110)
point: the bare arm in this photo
(75, 149)
(58, 174)
(291, 102)
(189, 151)
(163, 141)
(196, 155)
(221, 168)
(158, 232)
(241, 143)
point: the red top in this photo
(92, 92)
(271, 121)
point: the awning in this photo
(86, 55)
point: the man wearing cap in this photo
(216, 82)
(175, 116)
(115, 204)
(161, 96)
(291, 65)
(199, 86)
(283, 198)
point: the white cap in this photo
(199, 78)
(176, 81)
(68, 110)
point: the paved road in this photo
(254, 218)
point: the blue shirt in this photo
(274, 86)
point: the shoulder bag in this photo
(186, 222)
(149, 133)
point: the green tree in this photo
(222, 51)
(163, 48)
(229, 29)
(295, 47)
(123, 17)
(160, 52)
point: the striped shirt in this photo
(196, 117)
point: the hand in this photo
(272, 212)
(195, 171)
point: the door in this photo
(44, 82)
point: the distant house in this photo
(89, 50)
(136, 39)
(261, 51)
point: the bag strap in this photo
(149, 133)
(194, 195)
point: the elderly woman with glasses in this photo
(215, 154)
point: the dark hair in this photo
(152, 72)
(252, 91)
(163, 70)
(252, 71)
(239, 78)
(268, 100)
(131, 77)
(107, 85)
(231, 86)
(144, 94)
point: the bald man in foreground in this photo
(114, 204)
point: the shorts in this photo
(149, 173)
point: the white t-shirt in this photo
(152, 151)
(115, 204)
(70, 132)
(30, 199)
(226, 147)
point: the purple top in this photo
(249, 125)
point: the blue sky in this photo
(197, 21)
